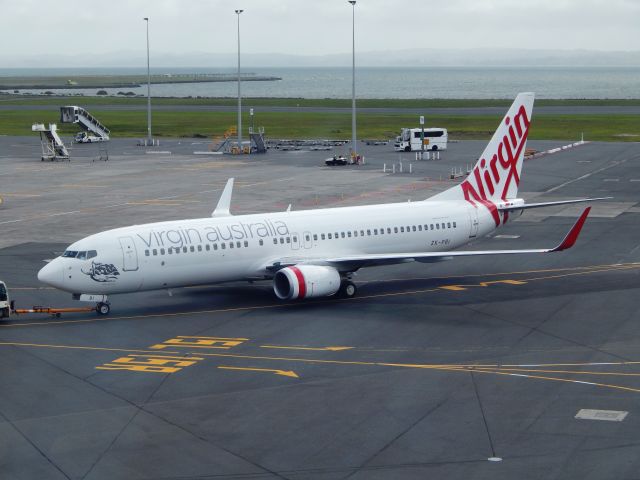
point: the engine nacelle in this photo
(306, 281)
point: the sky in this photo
(30, 29)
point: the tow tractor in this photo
(7, 307)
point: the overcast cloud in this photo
(305, 27)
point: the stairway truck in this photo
(5, 301)
(84, 137)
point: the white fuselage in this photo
(219, 249)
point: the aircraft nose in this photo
(51, 274)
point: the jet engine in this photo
(306, 281)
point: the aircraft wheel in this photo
(103, 308)
(435, 147)
(348, 289)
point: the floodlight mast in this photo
(238, 12)
(353, 79)
(149, 139)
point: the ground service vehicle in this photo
(410, 139)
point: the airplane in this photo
(309, 253)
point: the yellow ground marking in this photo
(27, 195)
(79, 347)
(580, 271)
(284, 373)
(458, 288)
(317, 349)
(553, 379)
(156, 359)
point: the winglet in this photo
(222, 209)
(572, 236)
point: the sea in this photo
(382, 82)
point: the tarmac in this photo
(499, 368)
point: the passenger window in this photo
(162, 251)
(419, 228)
(454, 224)
(223, 246)
(192, 248)
(382, 231)
(288, 240)
(375, 231)
(230, 244)
(389, 231)
(295, 239)
(322, 236)
(169, 251)
(315, 236)
(401, 229)
(438, 226)
(307, 238)
(281, 240)
(395, 229)
(349, 234)
(342, 234)
(443, 225)
(355, 234)
(448, 225)
(261, 242)
(432, 226)
(362, 233)
(184, 249)
(155, 252)
(246, 243)
(337, 236)
(207, 247)
(329, 236)
(275, 241)
(413, 228)
(215, 246)
(146, 253)
(199, 248)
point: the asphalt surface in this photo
(429, 373)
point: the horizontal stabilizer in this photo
(525, 206)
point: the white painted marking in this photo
(159, 152)
(611, 180)
(494, 459)
(607, 415)
(635, 180)
(510, 237)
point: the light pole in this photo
(238, 12)
(353, 79)
(149, 140)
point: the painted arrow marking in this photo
(317, 349)
(284, 373)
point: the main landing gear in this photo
(103, 308)
(348, 289)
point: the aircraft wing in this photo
(353, 262)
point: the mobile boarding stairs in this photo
(86, 121)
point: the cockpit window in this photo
(85, 255)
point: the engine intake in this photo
(306, 281)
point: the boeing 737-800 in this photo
(310, 253)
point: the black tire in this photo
(407, 149)
(103, 308)
(434, 148)
(348, 289)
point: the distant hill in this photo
(397, 58)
